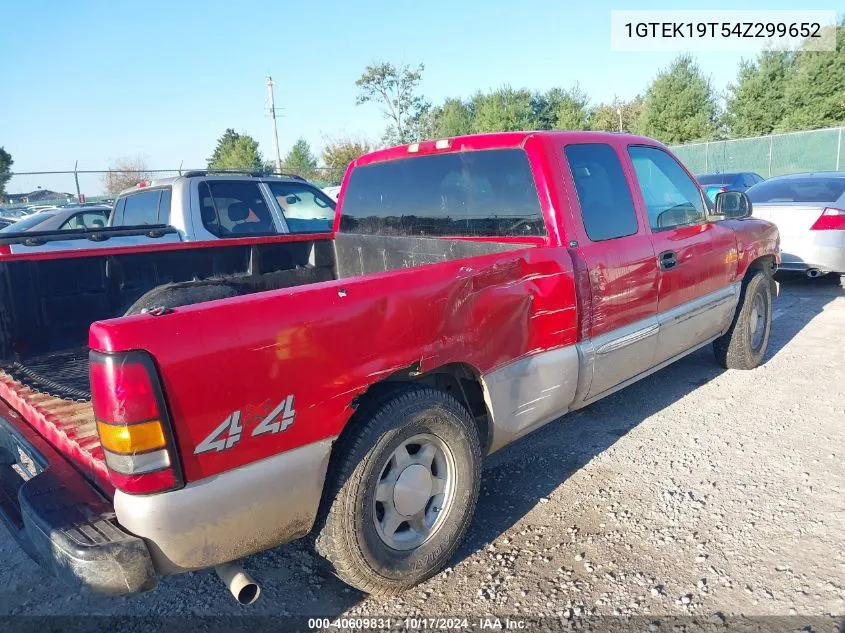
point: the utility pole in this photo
(619, 112)
(76, 178)
(272, 106)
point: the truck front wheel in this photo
(744, 345)
(402, 490)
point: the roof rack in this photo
(239, 172)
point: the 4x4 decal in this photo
(230, 430)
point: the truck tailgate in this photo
(67, 424)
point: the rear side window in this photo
(144, 207)
(231, 208)
(480, 193)
(141, 208)
(603, 193)
(809, 190)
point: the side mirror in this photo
(733, 205)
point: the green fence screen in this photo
(773, 155)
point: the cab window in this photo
(671, 197)
(234, 209)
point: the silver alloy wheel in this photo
(414, 492)
(757, 321)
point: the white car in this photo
(332, 192)
(809, 211)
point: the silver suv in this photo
(206, 206)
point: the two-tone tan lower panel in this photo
(232, 515)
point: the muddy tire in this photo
(744, 345)
(402, 491)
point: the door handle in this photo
(668, 259)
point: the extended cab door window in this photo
(671, 197)
(606, 204)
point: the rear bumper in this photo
(824, 250)
(61, 521)
(231, 515)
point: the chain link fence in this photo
(772, 155)
(61, 188)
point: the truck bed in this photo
(47, 305)
(67, 424)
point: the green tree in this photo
(560, 109)
(605, 117)
(300, 160)
(815, 90)
(236, 152)
(680, 105)
(395, 88)
(339, 153)
(453, 118)
(6, 163)
(503, 110)
(756, 103)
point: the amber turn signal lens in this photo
(132, 438)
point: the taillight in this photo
(5, 249)
(133, 424)
(830, 219)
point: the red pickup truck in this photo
(178, 407)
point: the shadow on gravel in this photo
(531, 469)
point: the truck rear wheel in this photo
(744, 345)
(403, 491)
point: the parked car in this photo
(198, 206)
(809, 211)
(733, 181)
(204, 206)
(332, 192)
(62, 219)
(232, 395)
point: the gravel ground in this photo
(695, 492)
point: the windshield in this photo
(27, 223)
(715, 179)
(306, 210)
(807, 190)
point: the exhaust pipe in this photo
(812, 273)
(240, 584)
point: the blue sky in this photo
(94, 81)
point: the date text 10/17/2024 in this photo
(418, 623)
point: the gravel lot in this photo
(696, 491)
